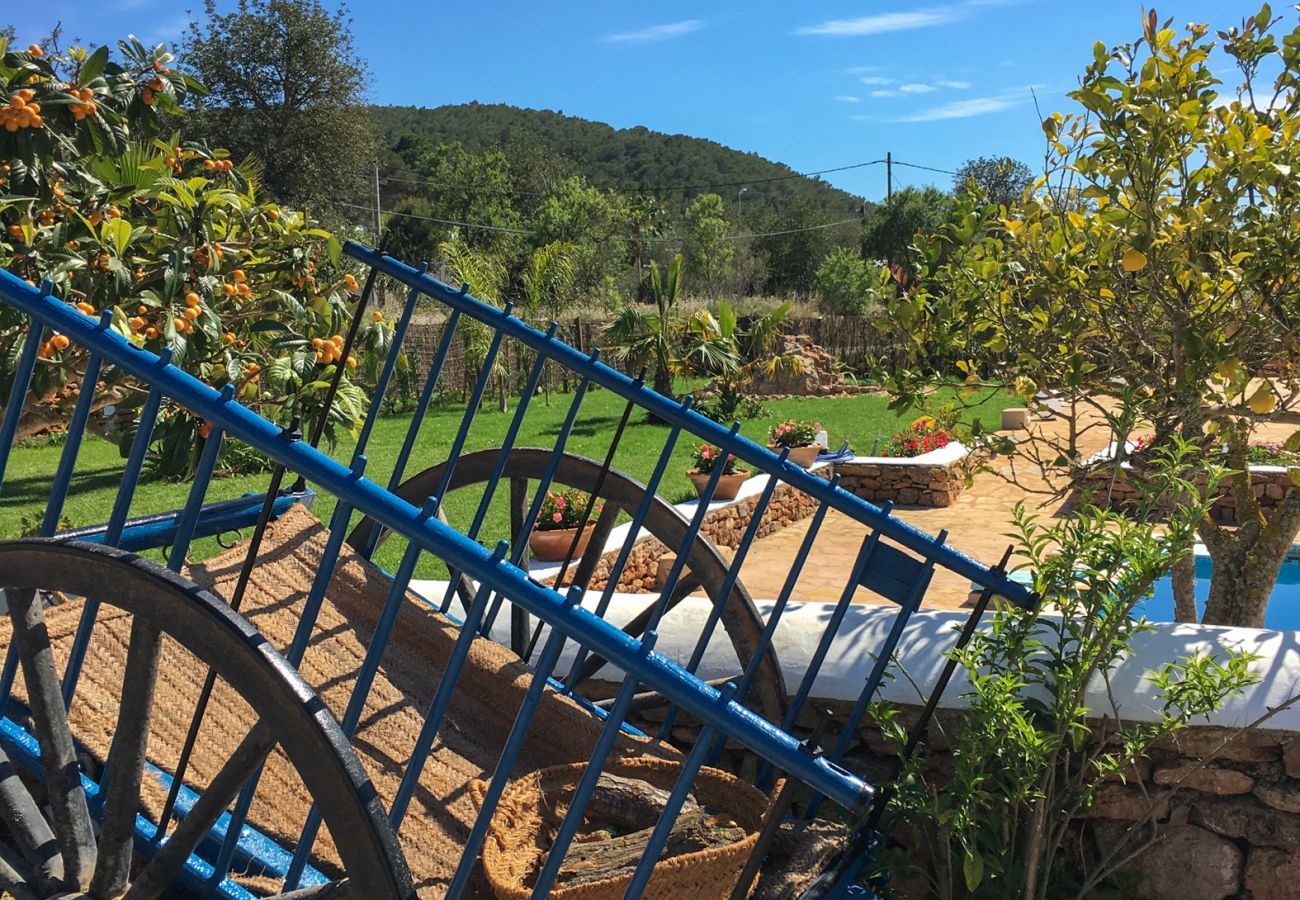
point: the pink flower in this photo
(556, 517)
(560, 503)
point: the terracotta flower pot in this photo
(804, 456)
(728, 485)
(553, 545)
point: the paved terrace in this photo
(979, 523)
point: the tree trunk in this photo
(1246, 563)
(1184, 585)
(1243, 577)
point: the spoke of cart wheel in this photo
(67, 799)
(28, 828)
(130, 744)
(163, 868)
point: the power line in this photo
(480, 227)
(648, 189)
(926, 168)
(630, 238)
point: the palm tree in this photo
(645, 338)
(547, 279)
(484, 272)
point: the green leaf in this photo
(972, 869)
(117, 233)
(93, 66)
(1293, 473)
(1292, 444)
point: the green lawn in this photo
(31, 466)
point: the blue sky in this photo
(812, 85)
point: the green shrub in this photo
(847, 285)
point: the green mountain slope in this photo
(632, 160)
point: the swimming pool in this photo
(1283, 608)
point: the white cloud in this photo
(848, 98)
(168, 31)
(876, 79)
(884, 93)
(863, 70)
(965, 109)
(917, 88)
(656, 32)
(954, 85)
(883, 23)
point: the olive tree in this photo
(1153, 277)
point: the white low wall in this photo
(932, 632)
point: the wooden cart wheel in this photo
(708, 569)
(66, 855)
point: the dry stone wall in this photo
(906, 485)
(1269, 486)
(724, 526)
(1227, 803)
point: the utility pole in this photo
(379, 294)
(377, 225)
(889, 180)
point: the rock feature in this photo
(815, 373)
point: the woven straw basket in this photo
(515, 842)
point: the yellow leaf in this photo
(1107, 293)
(1075, 219)
(1294, 474)
(1134, 260)
(1262, 401)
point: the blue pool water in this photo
(1283, 608)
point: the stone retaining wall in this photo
(724, 526)
(1230, 832)
(1269, 484)
(906, 485)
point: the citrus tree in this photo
(172, 238)
(1152, 276)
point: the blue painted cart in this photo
(122, 820)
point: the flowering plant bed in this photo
(924, 435)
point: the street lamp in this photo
(738, 207)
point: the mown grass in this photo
(860, 420)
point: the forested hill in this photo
(631, 160)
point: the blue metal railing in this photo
(900, 576)
(672, 412)
(701, 700)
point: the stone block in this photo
(1272, 874)
(1015, 418)
(1206, 779)
(1247, 818)
(1188, 863)
(1280, 793)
